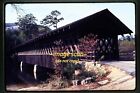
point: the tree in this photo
(52, 19)
(27, 24)
(128, 38)
(12, 39)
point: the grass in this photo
(126, 46)
(126, 49)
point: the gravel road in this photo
(128, 66)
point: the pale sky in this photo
(74, 11)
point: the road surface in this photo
(128, 66)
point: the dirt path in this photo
(120, 80)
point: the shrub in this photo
(98, 69)
(56, 83)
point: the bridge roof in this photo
(102, 23)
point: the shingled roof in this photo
(102, 22)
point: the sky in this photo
(74, 11)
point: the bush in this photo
(68, 70)
(98, 69)
(92, 69)
(55, 83)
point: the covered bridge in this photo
(103, 28)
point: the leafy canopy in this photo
(52, 19)
(28, 26)
(26, 20)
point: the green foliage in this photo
(27, 26)
(52, 19)
(22, 36)
(24, 21)
(66, 69)
(12, 39)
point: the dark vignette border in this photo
(137, 14)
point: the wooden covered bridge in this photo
(95, 35)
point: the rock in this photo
(75, 82)
(87, 80)
(83, 82)
(103, 82)
(77, 72)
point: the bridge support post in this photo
(21, 66)
(34, 71)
